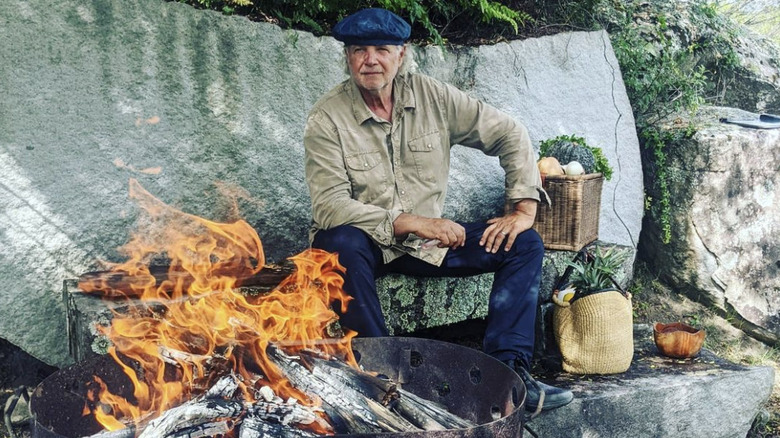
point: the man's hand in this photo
(448, 233)
(506, 228)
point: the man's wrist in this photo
(405, 223)
(526, 206)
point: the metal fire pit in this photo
(469, 383)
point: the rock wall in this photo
(725, 207)
(204, 110)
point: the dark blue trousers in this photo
(513, 298)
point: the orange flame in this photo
(195, 316)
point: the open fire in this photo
(194, 355)
(200, 318)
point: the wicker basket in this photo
(572, 221)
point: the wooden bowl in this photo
(678, 340)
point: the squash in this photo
(549, 166)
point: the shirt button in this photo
(403, 192)
(365, 164)
(429, 146)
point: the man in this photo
(377, 160)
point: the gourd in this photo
(549, 166)
(567, 151)
(573, 168)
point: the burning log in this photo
(381, 390)
(122, 284)
(175, 357)
(282, 413)
(417, 416)
(344, 405)
(196, 412)
(422, 413)
(204, 430)
(127, 432)
(218, 411)
(225, 387)
(256, 428)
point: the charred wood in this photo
(121, 284)
(253, 427)
(204, 430)
(224, 388)
(344, 405)
(193, 413)
(416, 416)
(381, 390)
(176, 357)
(422, 413)
(127, 432)
(409, 402)
(282, 413)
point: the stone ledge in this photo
(705, 397)
(409, 303)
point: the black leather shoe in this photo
(536, 392)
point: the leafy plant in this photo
(594, 275)
(225, 6)
(430, 19)
(602, 164)
(659, 79)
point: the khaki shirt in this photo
(365, 171)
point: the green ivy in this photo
(656, 142)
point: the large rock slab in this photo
(725, 216)
(204, 110)
(704, 397)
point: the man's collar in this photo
(402, 95)
(404, 99)
(359, 107)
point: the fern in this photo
(432, 16)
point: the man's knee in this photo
(528, 244)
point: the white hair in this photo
(408, 65)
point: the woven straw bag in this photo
(595, 333)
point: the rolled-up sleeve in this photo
(478, 125)
(330, 187)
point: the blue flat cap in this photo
(372, 27)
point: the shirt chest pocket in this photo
(429, 157)
(366, 175)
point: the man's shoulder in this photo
(419, 80)
(423, 85)
(336, 96)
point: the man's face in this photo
(374, 67)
